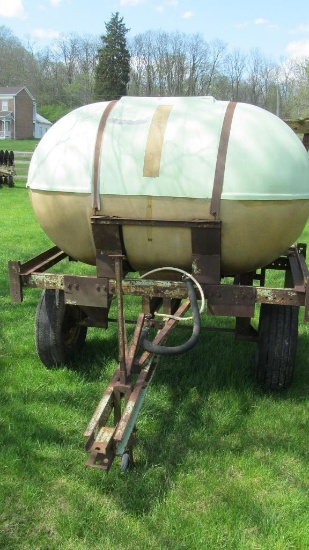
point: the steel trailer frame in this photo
(111, 431)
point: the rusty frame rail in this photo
(32, 274)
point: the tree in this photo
(174, 64)
(112, 71)
(17, 65)
(302, 78)
(234, 68)
(62, 76)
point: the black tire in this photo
(277, 345)
(58, 336)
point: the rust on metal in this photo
(104, 440)
(135, 341)
(15, 281)
(97, 152)
(149, 288)
(20, 273)
(103, 409)
(221, 159)
(146, 373)
(44, 280)
(122, 339)
(206, 253)
(283, 296)
(85, 291)
(111, 220)
(103, 445)
(43, 261)
(100, 460)
(229, 300)
(299, 269)
(205, 238)
(107, 242)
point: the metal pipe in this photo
(122, 343)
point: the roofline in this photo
(18, 91)
(44, 121)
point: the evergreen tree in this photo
(113, 68)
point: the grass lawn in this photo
(219, 464)
(18, 144)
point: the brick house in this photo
(18, 116)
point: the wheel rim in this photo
(70, 329)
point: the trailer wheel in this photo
(125, 462)
(276, 349)
(58, 336)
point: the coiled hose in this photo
(177, 350)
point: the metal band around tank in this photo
(95, 194)
(221, 159)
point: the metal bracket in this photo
(19, 272)
(86, 291)
(205, 240)
(206, 252)
(232, 300)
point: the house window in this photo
(5, 105)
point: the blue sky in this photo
(279, 28)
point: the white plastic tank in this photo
(160, 158)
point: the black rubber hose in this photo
(183, 348)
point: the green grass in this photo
(219, 464)
(18, 144)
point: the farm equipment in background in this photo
(301, 128)
(7, 168)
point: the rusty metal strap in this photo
(95, 182)
(221, 159)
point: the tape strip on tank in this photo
(221, 159)
(95, 193)
(153, 152)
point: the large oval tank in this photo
(158, 158)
